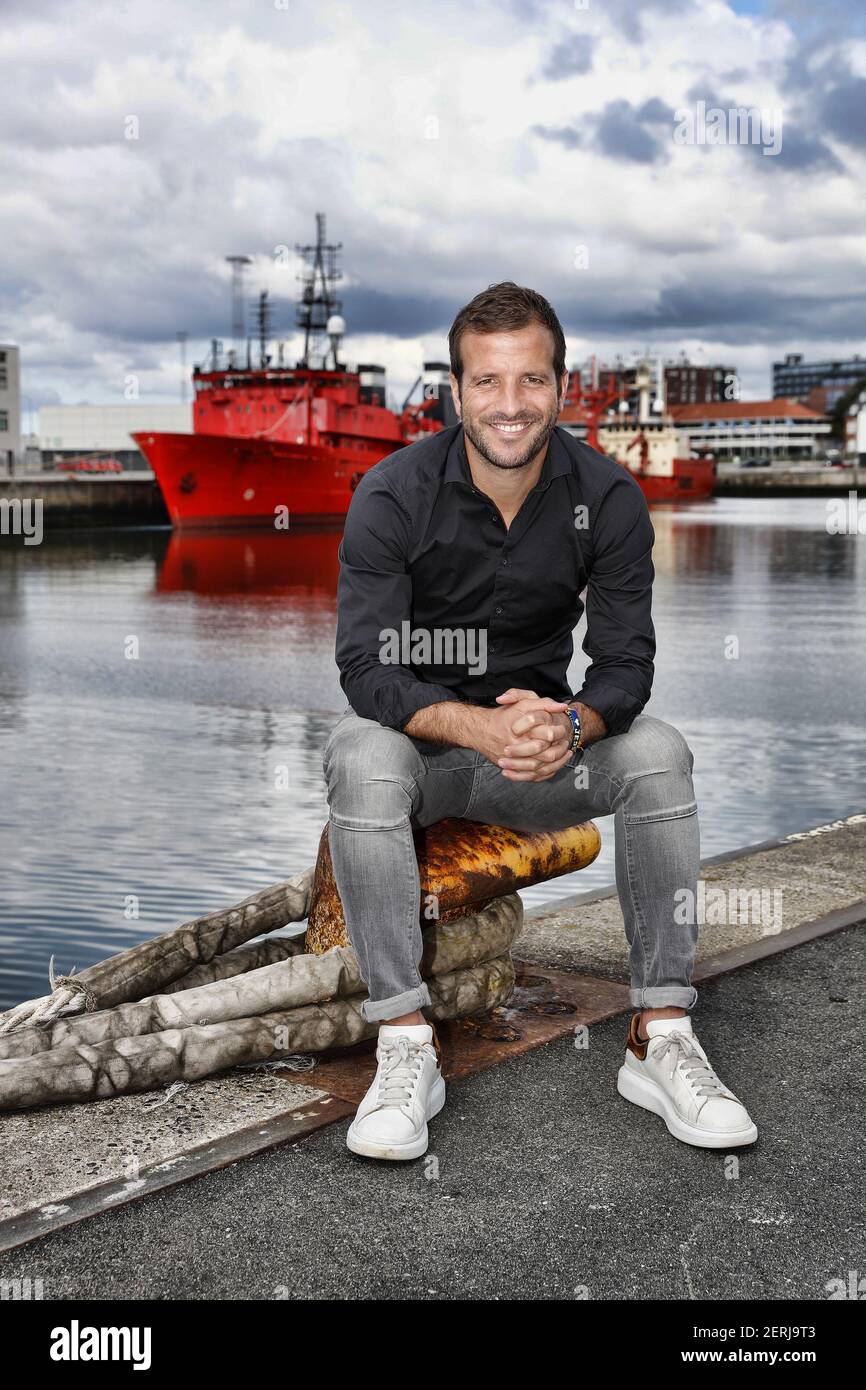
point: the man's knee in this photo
(650, 746)
(367, 754)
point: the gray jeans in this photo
(382, 782)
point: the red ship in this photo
(277, 445)
(652, 449)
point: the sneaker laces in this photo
(400, 1065)
(693, 1065)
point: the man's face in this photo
(509, 398)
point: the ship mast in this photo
(319, 308)
(239, 265)
(263, 328)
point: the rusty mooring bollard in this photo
(465, 865)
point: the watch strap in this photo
(576, 745)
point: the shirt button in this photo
(493, 649)
(503, 562)
(498, 610)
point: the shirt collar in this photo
(556, 462)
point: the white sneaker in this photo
(407, 1091)
(670, 1074)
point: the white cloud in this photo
(251, 118)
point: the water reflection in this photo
(190, 776)
(263, 563)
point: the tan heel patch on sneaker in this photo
(634, 1042)
(437, 1045)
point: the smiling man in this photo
(494, 528)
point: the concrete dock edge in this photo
(823, 867)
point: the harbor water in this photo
(164, 702)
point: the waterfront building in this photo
(819, 384)
(688, 383)
(685, 382)
(105, 431)
(855, 431)
(10, 407)
(739, 430)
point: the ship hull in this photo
(220, 480)
(229, 481)
(690, 481)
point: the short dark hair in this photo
(501, 309)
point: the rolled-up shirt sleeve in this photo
(374, 598)
(620, 638)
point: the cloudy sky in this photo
(451, 145)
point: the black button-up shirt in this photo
(425, 553)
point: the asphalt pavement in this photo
(541, 1182)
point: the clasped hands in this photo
(528, 736)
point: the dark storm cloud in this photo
(569, 58)
(413, 315)
(118, 245)
(563, 135)
(745, 311)
(826, 97)
(527, 11)
(193, 301)
(817, 70)
(844, 110)
(655, 112)
(405, 315)
(846, 16)
(802, 147)
(620, 131)
(628, 15)
(800, 151)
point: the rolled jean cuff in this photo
(661, 996)
(380, 1010)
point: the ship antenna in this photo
(318, 309)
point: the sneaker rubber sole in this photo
(398, 1153)
(642, 1091)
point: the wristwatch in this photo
(576, 745)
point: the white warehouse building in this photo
(104, 431)
(735, 430)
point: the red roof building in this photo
(778, 409)
(736, 430)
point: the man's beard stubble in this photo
(483, 440)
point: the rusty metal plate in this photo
(546, 1004)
